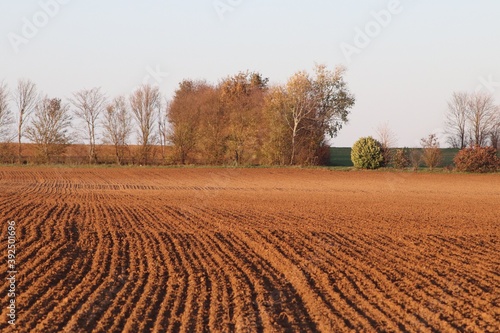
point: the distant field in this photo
(78, 154)
(342, 156)
(251, 250)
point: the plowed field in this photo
(251, 250)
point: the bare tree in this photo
(163, 129)
(494, 134)
(89, 105)
(431, 154)
(6, 119)
(482, 117)
(26, 98)
(146, 104)
(48, 129)
(456, 120)
(298, 106)
(388, 140)
(184, 113)
(117, 126)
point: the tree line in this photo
(472, 125)
(241, 120)
(473, 119)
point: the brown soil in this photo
(251, 250)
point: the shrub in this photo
(431, 154)
(401, 158)
(387, 155)
(7, 153)
(477, 159)
(415, 158)
(367, 153)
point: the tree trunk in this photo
(117, 152)
(19, 135)
(294, 134)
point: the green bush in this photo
(367, 153)
(477, 159)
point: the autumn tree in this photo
(89, 104)
(117, 126)
(26, 98)
(6, 119)
(220, 123)
(242, 98)
(213, 128)
(49, 128)
(311, 107)
(184, 113)
(276, 146)
(145, 103)
(297, 105)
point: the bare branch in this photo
(117, 126)
(89, 105)
(456, 120)
(26, 98)
(388, 140)
(48, 130)
(481, 116)
(6, 119)
(146, 104)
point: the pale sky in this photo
(404, 68)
